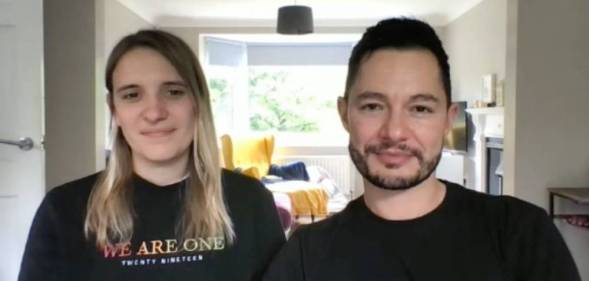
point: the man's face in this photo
(397, 117)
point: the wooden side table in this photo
(576, 195)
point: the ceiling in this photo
(222, 13)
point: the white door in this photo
(22, 178)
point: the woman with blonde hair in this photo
(162, 209)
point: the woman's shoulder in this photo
(66, 203)
(73, 191)
(242, 186)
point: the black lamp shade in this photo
(295, 19)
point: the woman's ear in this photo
(110, 103)
(111, 107)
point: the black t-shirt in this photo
(470, 236)
(57, 249)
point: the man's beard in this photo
(426, 166)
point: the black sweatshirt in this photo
(57, 249)
(470, 236)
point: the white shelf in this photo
(488, 122)
(485, 110)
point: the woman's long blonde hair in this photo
(110, 213)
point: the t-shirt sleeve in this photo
(288, 264)
(41, 259)
(536, 249)
(269, 231)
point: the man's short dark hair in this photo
(400, 34)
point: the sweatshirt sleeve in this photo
(535, 249)
(42, 258)
(269, 231)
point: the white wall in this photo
(475, 43)
(548, 109)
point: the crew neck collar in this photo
(141, 182)
(365, 212)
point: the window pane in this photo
(221, 85)
(276, 90)
(295, 99)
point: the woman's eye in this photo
(176, 92)
(129, 96)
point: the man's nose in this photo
(395, 127)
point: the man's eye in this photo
(422, 109)
(371, 107)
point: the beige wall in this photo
(549, 114)
(119, 22)
(70, 139)
(475, 43)
(77, 36)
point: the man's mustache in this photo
(401, 146)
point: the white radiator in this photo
(340, 167)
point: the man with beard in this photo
(409, 225)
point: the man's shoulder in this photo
(324, 230)
(322, 227)
(505, 206)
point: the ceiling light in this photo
(295, 19)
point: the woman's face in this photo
(153, 107)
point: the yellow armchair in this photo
(252, 154)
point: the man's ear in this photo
(450, 117)
(342, 109)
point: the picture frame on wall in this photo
(488, 88)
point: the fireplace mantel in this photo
(488, 123)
